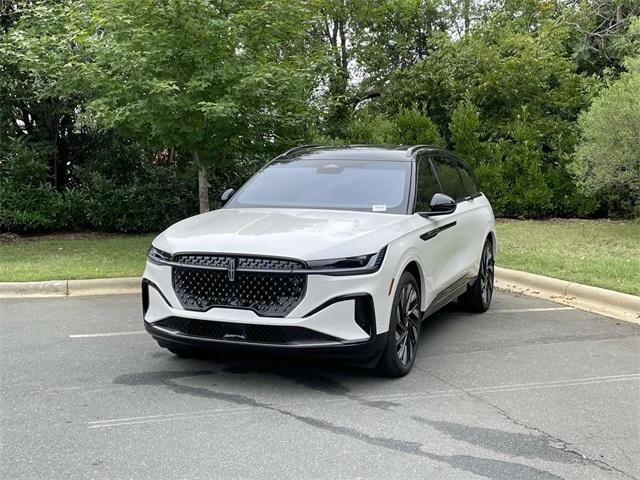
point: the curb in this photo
(617, 305)
(620, 306)
(57, 288)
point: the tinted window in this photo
(373, 186)
(450, 179)
(467, 179)
(427, 185)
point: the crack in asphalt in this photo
(490, 468)
(313, 381)
(553, 441)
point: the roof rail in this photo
(299, 147)
(415, 148)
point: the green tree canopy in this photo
(212, 79)
(608, 158)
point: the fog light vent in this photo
(365, 314)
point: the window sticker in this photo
(379, 208)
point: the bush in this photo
(26, 209)
(607, 161)
(151, 200)
(407, 127)
(117, 191)
(413, 127)
(27, 202)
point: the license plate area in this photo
(235, 332)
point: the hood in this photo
(295, 233)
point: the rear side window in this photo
(467, 178)
(427, 185)
(450, 178)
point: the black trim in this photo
(244, 332)
(365, 353)
(157, 289)
(364, 310)
(432, 233)
(413, 187)
(449, 294)
(472, 196)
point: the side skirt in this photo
(449, 294)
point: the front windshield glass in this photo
(371, 186)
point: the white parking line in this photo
(407, 396)
(523, 310)
(111, 334)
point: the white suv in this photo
(328, 251)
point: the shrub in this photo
(607, 161)
(27, 202)
(26, 208)
(150, 201)
(413, 127)
(117, 191)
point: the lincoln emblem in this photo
(231, 270)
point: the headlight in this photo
(349, 265)
(156, 255)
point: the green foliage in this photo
(151, 201)
(413, 127)
(210, 81)
(109, 107)
(29, 208)
(407, 127)
(508, 99)
(123, 192)
(607, 160)
(27, 201)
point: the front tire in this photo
(400, 350)
(478, 296)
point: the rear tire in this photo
(478, 296)
(399, 353)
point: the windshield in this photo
(371, 186)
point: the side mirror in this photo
(227, 194)
(441, 204)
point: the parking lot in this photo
(531, 389)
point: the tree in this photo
(607, 161)
(364, 43)
(213, 80)
(600, 25)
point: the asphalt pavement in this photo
(528, 390)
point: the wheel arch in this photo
(412, 265)
(413, 268)
(492, 237)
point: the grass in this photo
(66, 257)
(595, 252)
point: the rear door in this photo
(477, 216)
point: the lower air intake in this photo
(240, 332)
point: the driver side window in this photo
(427, 184)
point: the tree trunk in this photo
(466, 13)
(203, 185)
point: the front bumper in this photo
(342, 317)
(367, 351)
